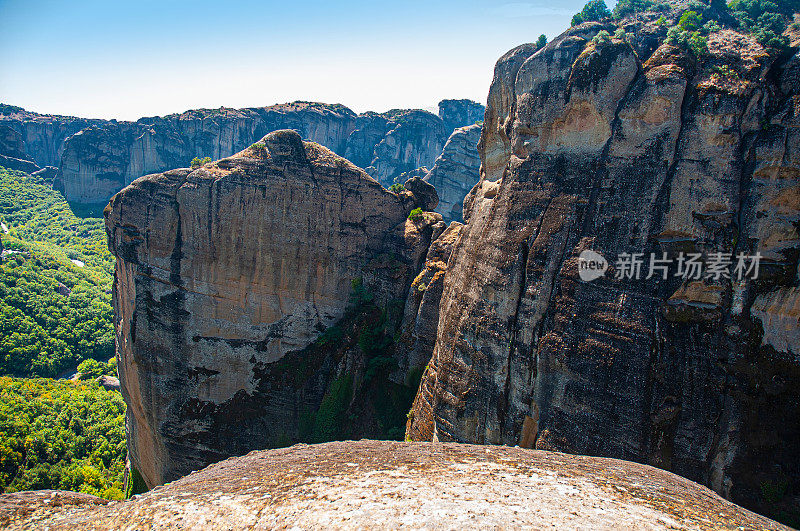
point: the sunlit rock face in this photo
(226, 277)
(390, 484)
(629, 147)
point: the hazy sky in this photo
(127, 59)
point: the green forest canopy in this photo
(55, 301)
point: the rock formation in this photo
(256, 300)
(367, 484)
(460, 113)
(97, 158)
(631, 147)
(456, 171)
(30, 141)
(414, 139)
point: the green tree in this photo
(541, 42)
(197, 161)
(595, 10)
(690, 21)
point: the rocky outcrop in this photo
(456, 171)
(369, 484)
(256, 300)
(422, 307)
(460, 113)
(101, 160)
(30, 141)
(599, 146)
(414, 139)
(97, 158)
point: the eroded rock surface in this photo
(371, 484)
(630, 147)
(30, 141)
(456, 171)
(460, 113)
(255, 303)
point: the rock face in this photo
(97, 158)
(460, 113)
(30, 141)
(255, 303)
(456, 171)
(414, 139)
(367, 484)
(618, 150)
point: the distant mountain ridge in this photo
(97, 158)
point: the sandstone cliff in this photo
(256, 300)
(389, 485)
(460, 113)
(97, 158)
(456, 171)
(30, 141)
(630, 146)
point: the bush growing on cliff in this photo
(57, 434)
(541, 42)
(596, 10)
(690, 21)
(602, 38)
(765, 19)
(396, 188)
(197, 162)
(415, 214)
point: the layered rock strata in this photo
(255, 303)
(456, 171)
(631, 146)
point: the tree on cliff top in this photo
(594, 10)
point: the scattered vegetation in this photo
(61, 435)
(397, 188)
(765, 19)
(724, 71)
(258, 146)
(55, 280)
(197, 162)
(9, 109)
(541, 42)
(596, 10)
(416, 214)
(602, 38)
(626, 8)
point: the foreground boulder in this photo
(388, 485)
(256, 300)
(631, 146)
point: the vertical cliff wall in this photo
(456, 171)
(256, 300)
(630, 146)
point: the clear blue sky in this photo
(130, 58)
